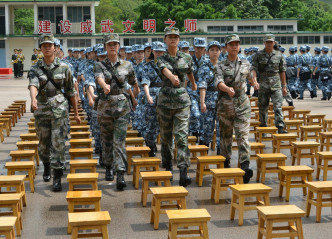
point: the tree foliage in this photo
(23, 21)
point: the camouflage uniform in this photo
(304, 66)
(291, 73)
(314, 81)
(113, 111)
(270, 84)
(324, 63)
(173, 109)
(50, 118)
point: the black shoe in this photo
(282, 131)
(248, 172)
(218, 151)
(120, 181)
(315, 95)
(328, 96)
(290, 103)
(227, 163)
(97, 151)
(47, 172)
(311, 94)
(196, 134)
(152, 152)
(101, 163)
(300, 98)
(293, 94)
(185, 180)
(57, 173)
(324, 98)
(109, 176)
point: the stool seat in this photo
(250, 188)
(77, 128)
(80, 152)
(82, 179)
(323, 159)
(12, 201)
(265, 130)
(194, 149)
(80, 135)
(132, 134)
(264, 159)
(258, 148)
(188, 215)
(83, 122)
(203, 163)
(325, 140)
(298, 146)
(148, 163)
(76, 143)
(280, 211)
(131, 151)
(81, 196)
(90, 164)
(29, 137)
(305, 130)
(7, 226)
(136, 141)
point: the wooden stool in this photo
(78, 198)
(315, 119)
(297, 154)
(72, 118)
(80, 152)
(80, 135)
(29, 167)
(6, 124)
(320, 188)
(31, 145)
(287, 172)
(306, 130)
(12, 201)
(300, 114)
(157, 177)
(219, 177)
(29, 137)
(258, 148)
(132, 134)
(80, 143)
(239, 194)
(327, 124)
(89, 164)
(17, 109)
(23, 102)
(32, 119)
(18, 155)
(162, 194)
(203, 163)
(7, 227)
(194, 149)
(137, 142)
(323, 159)
(325, 140)
(293, 126)
(131, 151)
(253, 125)
(253, 101)
(289, 214)
(17, 182)
(289, 110)
(147, 163)
(265, 130)
(264, 159)
(82, 179)
(192, 140)
(79, 128)
(277, 140)
(89, 221)
(19, 105)
(32, 130)
(12, 115)
(83, 122)
(186, 218)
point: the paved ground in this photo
(46, 213)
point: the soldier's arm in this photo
(192, 80)
(190, 74)
(33, 96)
(173, 78)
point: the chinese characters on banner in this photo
(149, 25)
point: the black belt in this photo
(156, 84)
(211, 88)
(112, 92)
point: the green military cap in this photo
(113, 37)
(231, 38)
(46, 38)
(269, 37)
(172, 31)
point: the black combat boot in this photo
(328, 96)
(311, 94)
(97, 151)
(290, 103)
(218, 151)
(227, 163)
(248, 172)
(120, 181)
(47, 172)
(185, 180)
(293, 94)
(57, 173)
(324, 97)
(281, 130)
(152, 152)
(109, 176)
(101, 163)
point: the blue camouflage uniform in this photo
(305, 72)
(315, 78)
(324, 63)
(291, 72)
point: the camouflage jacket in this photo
(324, 63)
(116, 103)
(269, 66)
(170, 96)
(151, 78)
(197, 65)
(304, 63)
(56, 106)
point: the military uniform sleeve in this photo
(131, 75)
(190, 69)
(254, 63)
(33, 78)
(219, 77)
(202, 84)
(161, 63)
(145, 76)
(282, 65)
(69, 86)
(98, 71)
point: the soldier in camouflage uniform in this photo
(304, 72)
(271, 67)
(173, 104)
(50, 82)
(113, 75)
(291, 72)
(34, 57)
(314, 80)
(233, 105)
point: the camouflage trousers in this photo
(113, 132)
(151, 125)
(288, 97)
(302, 86)
(174, 121)
(313, 85)
(264, 97)
(292, 84)
(208, 125)
(88, 110)
(195, 114)
(326, 87)
(235, 114)
(138, 114)
(51, 134)
(95, 128)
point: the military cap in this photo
(57, 42)
(101, 51)
(191, 48)
(213, 43)
(172, 31)
(70, 49)
(318, 49)
(222, 45)
(282, 49)
(308, 47)
(199, 42)
(95, 47)
(134, 47)
(303, 48)
(129, 49)
(255, 49)
(88, 50)
(269, 37)
(147, 45)
(247, 50)
(113, 37)
(76, 50)
(158, 46)
(183, 44)
(46, 38)
(140, 48)
(295, 48)
(122, 47)
(83, 49)
(325, 48)
(231, 38)
(292, 49)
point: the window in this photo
(188, 39)
(78, 14)
(99, 41)
(327, 39)
(2, 11)
(78, 43)
(218, 39)
(251, 40)
(2, 44)
(250, 28)
(280, 28)
(220, 28)
(133, 41)
(285, 40)
(49, 13)
(158, 39)
(308, 39)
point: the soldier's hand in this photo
(91, 102)
(134, 104)
(194, 86)
(107, 89)
(284, 91)
(203, 107)
(175, 80)
(136, 91)
(231, 92)
(256, 86)
(94, 97)
(313, 73)
(78, 119)
(34, 105)
(150, 100)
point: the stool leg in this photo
(263, 170)
(319, 206)
(325, 169)
(156, 214)
(298, 156)
(299, 228)
(205, 230)
(308, 206)
(259, 169)
(312, 151)
(288, 185)
(304, 189)
(213, 186)
(234, 201)
(290, 225)
(261, 223)
(319, 164)
(268, 229)
(74, 233)
(32, 184)
(241, 209)
(174, 231)
(8, 234)
(104, 232)
(217, 190)
(145, 189)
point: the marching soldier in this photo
(34, 57)
(15, 63)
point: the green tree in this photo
(23, 21)
(230, 13)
